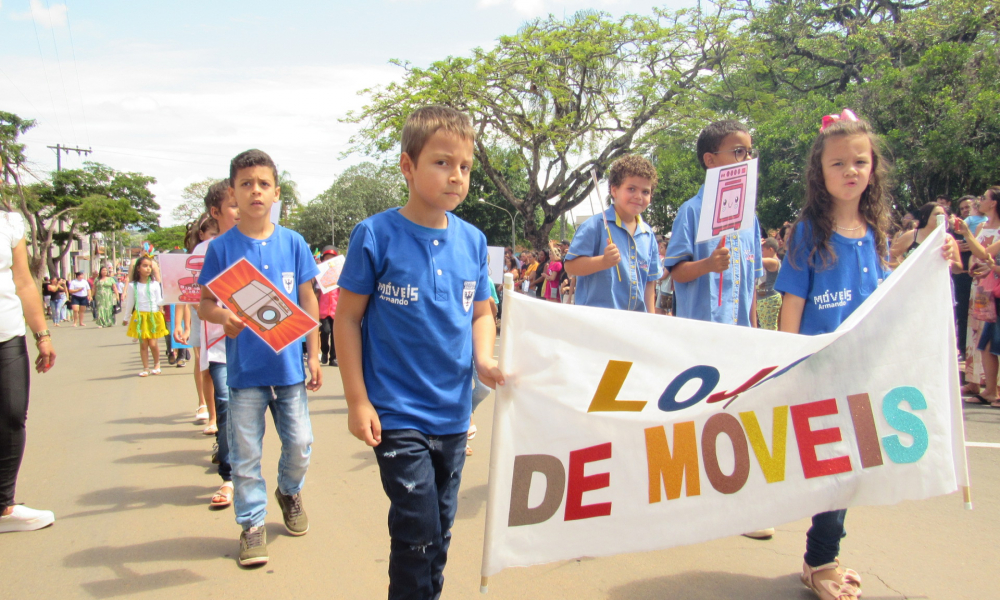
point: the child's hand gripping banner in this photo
(622, 432)
(257, 302)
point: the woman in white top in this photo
(19, 302)
(79, 298)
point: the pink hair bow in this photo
(846, 115)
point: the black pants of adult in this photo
(963, 288)
(326, 344)
(14, 381)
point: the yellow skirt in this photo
(147, 325)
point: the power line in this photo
(76, 69)
(62, 80)
(45, 72)
(23, 95)
(59, 148)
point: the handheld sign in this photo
(261, 306)
(180, 278)
(728, 204)
(329, 273)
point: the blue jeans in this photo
(823, 538)
(58, 313)
(245, 427)
(420, 475)
(220, 383)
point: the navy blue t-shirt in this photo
(285, 260)
(417, 329)
(834, 292)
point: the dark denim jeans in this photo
(14, 382)
(220, 381)
(420, 475)
(823, 538)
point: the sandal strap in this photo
(849, 587)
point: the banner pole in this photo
(957, 415)
(499, 406)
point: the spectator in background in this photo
(327, 313)
(945, 203)
(768, 300)
(962, 280)
(975, 218)
(538, 279)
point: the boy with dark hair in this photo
(259, 378)
(736, 256)
(605, 277)
(412, 319)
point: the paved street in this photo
(127, 473)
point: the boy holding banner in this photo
(412, 320)
(697, 294)
(605, 277)
(736, 256)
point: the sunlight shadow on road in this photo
(173, 458)
(332, 411)
(119, 499)
(128, 581)
(175, 419)
(367, 458)
(133, 438)
(471, 501)
(703, 585)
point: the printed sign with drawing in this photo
(729, 201)
(329, 273)
(180, 277)
(261, 306)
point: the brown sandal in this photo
(849, 587)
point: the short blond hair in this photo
(428, 120)
(632, 165)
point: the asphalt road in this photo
(127, 472)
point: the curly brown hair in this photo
(818, 213)
(631, 165)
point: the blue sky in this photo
(175, 89)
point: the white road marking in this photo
(981, 445)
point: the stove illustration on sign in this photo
(730, 199)
(260, 305)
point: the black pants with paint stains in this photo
(14, 381)
(420, 475)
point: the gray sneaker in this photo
(296, 521)
(253, 546)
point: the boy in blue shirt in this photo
(413, 318)
(695, 267)
(604, 276)
(259, 378)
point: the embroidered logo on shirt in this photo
(468, 294)
(830, 299)
(397, 294)
(288, 279)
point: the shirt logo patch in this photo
(468, 294)
(398, 294)
(830, 299)
(288, 280)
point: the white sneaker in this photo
(23, 518)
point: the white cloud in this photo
(54, 16)
(536, 8)
(165, 114)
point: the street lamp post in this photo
(512, 217)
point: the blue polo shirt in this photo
(285, 260)
(834, 292)
(640, 263)
(416, 336)
(699, 299)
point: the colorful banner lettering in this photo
(623, 432)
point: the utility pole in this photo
(60, 149)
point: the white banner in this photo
(623, 432)
(494, 263)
